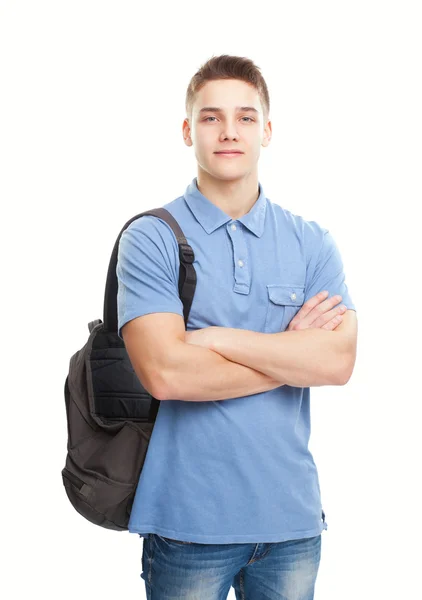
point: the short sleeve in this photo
(147, 271)
(325, 266)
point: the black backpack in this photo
(110, 415)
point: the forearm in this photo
(199, 374)
(300, 358)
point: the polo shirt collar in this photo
(211, 217)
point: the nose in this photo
(229, 132)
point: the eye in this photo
(249, 118)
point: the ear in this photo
(186, 132)
(267, 134)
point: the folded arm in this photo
(302, 358)
(199, 374)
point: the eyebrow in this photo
(220, 110)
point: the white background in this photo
(91, 108)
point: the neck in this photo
(234, 197)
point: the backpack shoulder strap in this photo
(187, 273)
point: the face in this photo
(211, 131)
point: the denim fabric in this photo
(177, 570)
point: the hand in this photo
(318, 313)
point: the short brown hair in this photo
(228, 67)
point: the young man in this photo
(229, 492)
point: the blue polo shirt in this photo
(236, 470)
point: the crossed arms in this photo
(230, 363)
(308, 357)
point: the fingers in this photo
(334, 316)
(313, 302)
(333, 323)
(316, 308)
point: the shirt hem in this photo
(145, 530)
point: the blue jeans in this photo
(194, 571)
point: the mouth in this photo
(228, 153)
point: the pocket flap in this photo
(286, 294)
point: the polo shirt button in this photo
(233, 227)
(293, 296)
(240, 263)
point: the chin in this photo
(228, 171)
(224, 175)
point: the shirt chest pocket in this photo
(284, 302)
